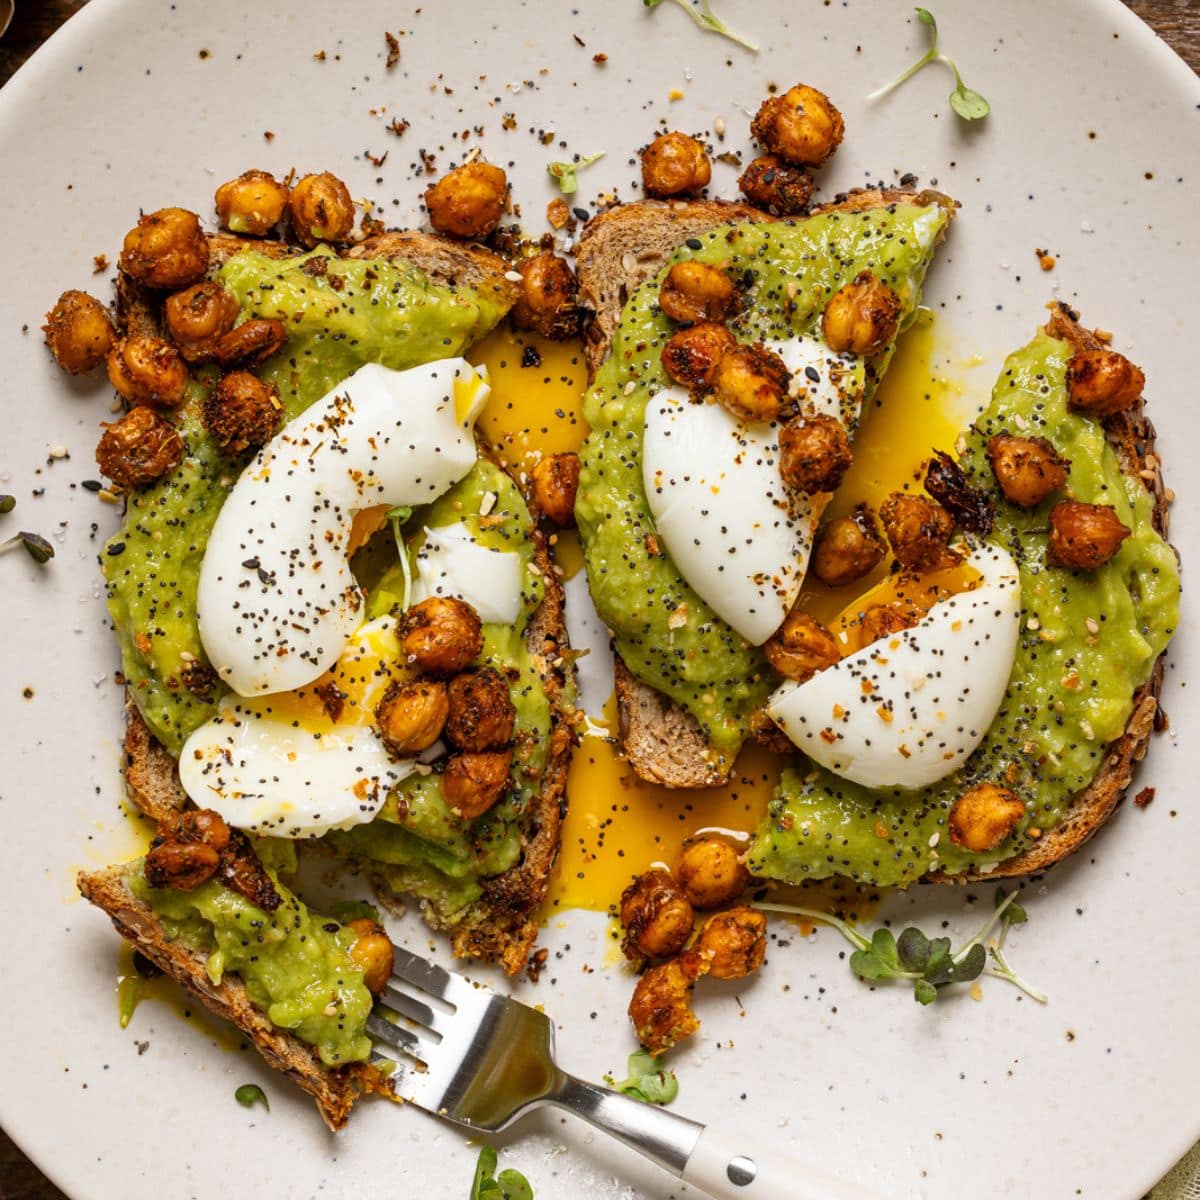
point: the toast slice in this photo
(335, 1089)
(619, 250)
(501, 926)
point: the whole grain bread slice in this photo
(618, 250)
(335, 1089)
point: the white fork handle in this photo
(725, 1173)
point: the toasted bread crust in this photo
(334, 1088)
(619, 250)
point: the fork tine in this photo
(396, 1036)
(415, 1009)
(429, 977)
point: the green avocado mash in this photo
(377, 312)
(1088, 640)
(295, 964)
(790, 269)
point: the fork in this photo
(482, 1061)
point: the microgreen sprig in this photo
(563, 173)
(649, 1081)
(34, 545)
(930, 963)
(965, 101)
(397, 517)
(249, 1094)
(703, 15)
(487, 1185)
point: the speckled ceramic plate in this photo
(1092, 151)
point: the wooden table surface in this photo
(1176, 21)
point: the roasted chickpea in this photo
(371, 953)
(691, 355)
(199, 825)
(472, 782)
(734, 942)
(883, 620)
(555, 480)
(919, 530)
(711, 871)
(848, 548)
(768, 735)
(78, 332)
(198, 315)
(657, 916)
(801, 647)
(166, 249)
(482, 715)
(661, 1007)
(801, 126)
(469, 201)
(1027, 469)
(1103, 382)
(1084, 536)
(695, 291)
(411, 715)
(983, 816)
(139, 448)
(181, 865)
(253, 203)
(252, 342)
(148, 370)
(321, 209)
(751, 382)
(861, 317)
(546, 303)
(242, 412)
(441, 635)
(814, 453)
(776, 186)
(675, 164)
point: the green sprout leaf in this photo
(966, 102)
(924, 992)
(7, 504)
(703, 15)
(249, 1094)
(33, 544)
(913, 947)
(564, 172)
(970, 966)
(648, 1080)
(1014, 914)
(510, 1185)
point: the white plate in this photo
(1091, 151)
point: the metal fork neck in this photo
(662, 1136)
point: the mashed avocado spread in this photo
(789, 270)
(1088, 640)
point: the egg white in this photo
(451, 563)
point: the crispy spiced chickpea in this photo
(242, 412)
(801, 647)
(814, 453)
(166, 249)
(253, 203)
(139, 448)
(441, 635)
(78, 332)
(469, 201)
(883, 620)
(1084, 536)
(481, 712)
(1027, 469)
(693, 291)
(691, 355)
(412, 715)
(473, 782)
(711, 871)
(321, 209)
(200, 825)
(1103, 382)
(148, 370)
(983, 816)
(848, 548)
(776, 186)
(198, 315)
(657, 916)
(371, 953)
(661, 1007)
(251, 342)
(555, 480)
(675, 164)
(801, 126)
(919, 531)
(547, 300)
(768, 735)
(862, 316)
(734, 942)
(181, 865)
(751, 382)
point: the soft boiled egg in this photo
(907, 710)
(452, 563)
(277, 603)
(300, 764)
(738, 535)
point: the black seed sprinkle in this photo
(694, 244)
